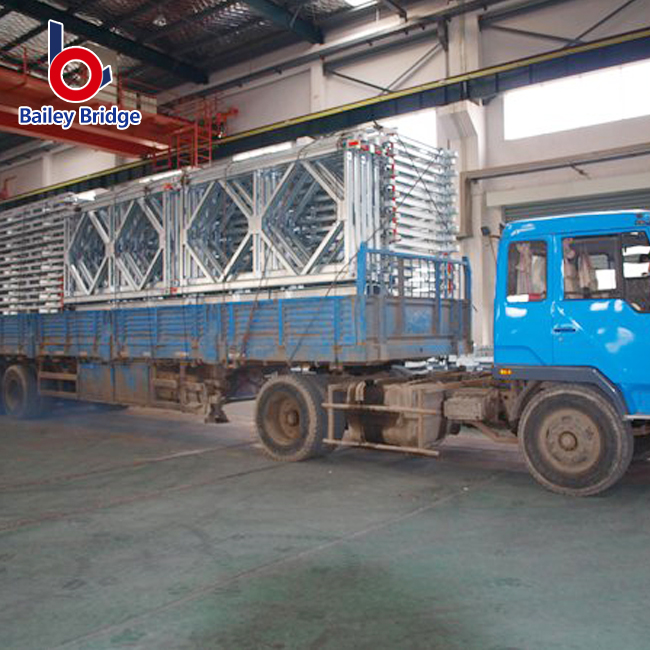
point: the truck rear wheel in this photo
(573, 441)
(20, 393)
(291, 421)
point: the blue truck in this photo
(569, 384)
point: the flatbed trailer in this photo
(196, 357)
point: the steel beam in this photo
(41, 11)
(603, 20)
(43, 27)
(525, 32)
(283, 18)
(397, 7)
(520, 9)
(185, 20)
(358, 81)
(104, 140)
(19, 40)
(127, 17)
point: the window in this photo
(590, 265)
(599, 97)
(527, 271)
(636, 269)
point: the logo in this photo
(60, 56)
(97, 76)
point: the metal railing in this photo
(390, 273)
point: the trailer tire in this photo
(291, 421)
(573, 440)
(20, 393)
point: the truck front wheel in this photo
(291, 422)
(20, 394)
(573, 440)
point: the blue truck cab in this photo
(573, 301)
(571, 326)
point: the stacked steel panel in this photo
(289, 220)
(32, 256)
(424, 198)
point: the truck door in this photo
(523, 331)
(603, 318)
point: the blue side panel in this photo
(330, 329)
(75, 334)
(252, 330)
(311, 329)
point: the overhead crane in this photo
(155, 134)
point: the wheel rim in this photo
(283, 419)
(570, 441)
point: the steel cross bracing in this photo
(288, 220)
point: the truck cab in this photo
(573, 296)
(572, 313)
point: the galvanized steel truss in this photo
(283, 220)
(32, 256)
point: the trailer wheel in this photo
(573, 440)
(291, 422)
(20, 393)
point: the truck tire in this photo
(20, 393)
(291, 421)
(573, 440)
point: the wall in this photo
(55, 165)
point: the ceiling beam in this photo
(184, 21)
(527, 33)
(603, 20)
(280, 16)
(121, 19)
(101, 36)
(397, 7)
(43, 27)
(517, 10)
(23, 38)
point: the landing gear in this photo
(291, 422)
(573, 441)
(20, 393)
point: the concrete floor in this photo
(138, 529)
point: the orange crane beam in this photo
(19, 88)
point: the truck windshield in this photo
(636, 269)
(615, 266)
(590, 267)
